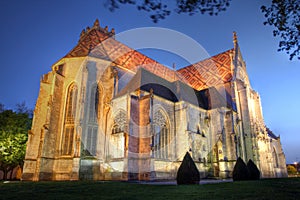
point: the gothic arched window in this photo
(120, 122)
(161, 136)
(275, 158)
(69, 122)
(94, 104)
(90, 144)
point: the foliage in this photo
(160, 9)
(188, 172)
(14, 126)
(1, 107)
(240, 171)
(254, 173)
(291, 169)
(284, 16)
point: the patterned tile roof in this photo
(100, 43)
(212, 71)
(89, 39)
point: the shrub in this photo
(291, 169)
(188, 172)
(254, 173)
(240, 171)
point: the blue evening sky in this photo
(35, 34)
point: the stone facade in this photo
(108, 112)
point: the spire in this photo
(237, 51)
(174, 66)
(174, 70)
(96, 23)
(235, 55)
(235, 40)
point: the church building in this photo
(107, 112)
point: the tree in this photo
(254, 173)
(188, 172)
(240, 171)
(13, 136)
(283, 15)
(1, 107)
(291, 169)
(12, 151)
(160, 9)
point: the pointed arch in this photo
(93, 113)
(69, 120)
(93, 105)
(275, 157)
(161, 135)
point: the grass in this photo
(287, 188)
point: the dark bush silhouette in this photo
(240, 171)
(254, 173)
(188, 172)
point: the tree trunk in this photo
(4, 174)
(11, 173)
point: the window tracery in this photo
(94, 104)
(120, 123)
(69, 124)
(161, 138)
(90, 142)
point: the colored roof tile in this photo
(99, 42)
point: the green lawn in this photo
(288, 188)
